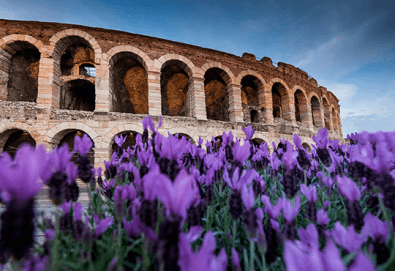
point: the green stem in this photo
(146, 261)
(234, 233)
(251, 254)
(264, 267)
(305, 178)
(391, 260)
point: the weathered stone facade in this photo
(59, 80)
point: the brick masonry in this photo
(63, 48)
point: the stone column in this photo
(265, 100)
(103, 98)
(5, 63)
(48, 83)
(154, 95)
(235, 107)
(101, 154)
(288, 108)
(198, 98)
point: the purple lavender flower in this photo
(321, 139)
(27, 175)
(241, 153)
(119, 140)
(82, 145)
(310, 192)
(309, 236)
(347, 238)
(289, 211)
(331, 257)
(362, 262)
(297, 259)
(103, 225)
(322, 217)
(248, 132)
(375, 228)
(178, 196)
(272, 211)
(204, 259)
(348, 188)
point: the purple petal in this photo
(104, 224)
(77, 211)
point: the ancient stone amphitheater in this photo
(58, 80)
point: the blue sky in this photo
(347, 46)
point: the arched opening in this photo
(327, 114)
(280, 101)
(187, 137)
(16, 140)
(306, 147)
(249, 90)
(277, 112)
(129, 142)
(174, 85)
(254, 116)
(69, 140)
(217, 101)
(128, 84)
(76, 54)
(77, 95)
(88, 70)
(301, 112)
(257, 142)
(315, 112)
(23, 70)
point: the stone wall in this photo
(199, 92)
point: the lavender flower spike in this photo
(347, 238)
(321, 140)
(272, 211)
(310, 192)
(375, 228)
(82, 146)
(77, 211)
(104, 224)
(248, 132)
(120, 140)
(290, 211)
(348, 188)
(247, 195)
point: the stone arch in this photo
(142, 57)
(9, 129)
(229, 78)
(281, 99)
(109, 137)
(315, 111)
(250, 88)
(16, 139)
(68, 139)
(78, 94)
(252, 73)
(129, 142)
(128, 79)
(61, 40)
(301, 105)
(19, 71)
(217, 83)
(184, 63)
(56, 133)
(186, 131)
(327, 114)
(175, 85)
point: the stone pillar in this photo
(322, 116)
(5, 63)
(48, 83)
(235, 107)
(198, 98)
(309, 115)
(288, 108)
(265, 100)
(154, 95)
(101, 154)
(103, 95)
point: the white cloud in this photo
(342, 91)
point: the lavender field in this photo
(168, 204)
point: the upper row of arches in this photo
(78, 60)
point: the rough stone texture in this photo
(199, 92)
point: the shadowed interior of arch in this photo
(16, 139)
(69, 140)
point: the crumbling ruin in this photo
(60, 80)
